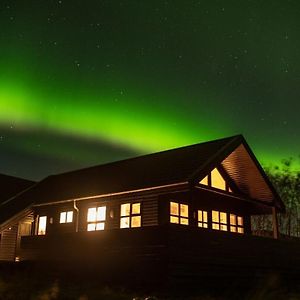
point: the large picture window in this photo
(42, 224)
(130, 215)
(219, 220)
(179, 213)
(66, 217)
(96, 217)
(236, 224)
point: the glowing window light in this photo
(66, 217)
(42, 225)
(179, 213)
(202, 219)
(236, 223)
(219, 220)
(130, 215)
(217, 181)
(96, 217)
(204, 180)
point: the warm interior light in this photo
(204, 180)
(184, 211)
(136, 221)
(136, 208)
(62, 217)
(174, 208)
(217, 181)
(42, 225)
(96, 218)
(125, 209)
(202, 219)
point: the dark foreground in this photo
(32, 281)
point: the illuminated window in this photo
(219, 220)
(42, 223)
(96, 217)
(202, 219)
(130, 215)
(66, 217)
(179, 213)
(215, 180)
(236, 224)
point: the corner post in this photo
(275, 223)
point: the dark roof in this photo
(11, 187)
(158, 169)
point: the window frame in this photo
(67, 212)
(39, 232)
(219, 225)
(131, 215)
(181, 219)
(238, 225)
(203, 223)
(97, 222)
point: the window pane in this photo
(200, 215)
(184, 210)
(136, 208)
(240, 230)
(69, 216)
(205, 225)
(42, 225)
(232, 219)
(101, 213)
(174, 220)
(217, 180)
(223, 218)
(205, 216)
(62, 217)
(136, 221)
(91, 214)
(200, 224)
(174, 208)
(240, 221)
(216, 226)
(215, 216)
(91, 227)
(100, 226)
(124, 223)
(184, 221)
(204, 180)
(223, 227)
(232, 228)
(125, 209)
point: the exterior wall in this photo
(8, 243)
(167, 252)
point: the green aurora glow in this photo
(149, 77)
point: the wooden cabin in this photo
(182, 207)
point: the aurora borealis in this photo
(85, 82)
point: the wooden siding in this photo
(242, 169)
(8, 243)
(176, 252)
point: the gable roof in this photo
(10, 188)
(181, 165)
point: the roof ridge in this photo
(144, 155)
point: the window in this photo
(130, 215)
(96, 217)
(202, 219)
(179, 213)
(66, 217)
(42, 225)
(219, 220)
(216, 180)
(236, 224)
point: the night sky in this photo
(87, 82)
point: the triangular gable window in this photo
(216, 180)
